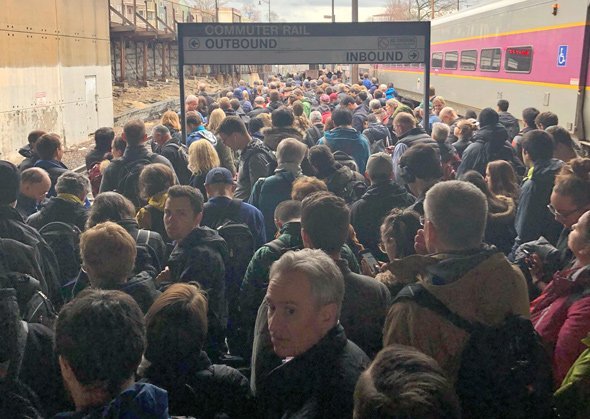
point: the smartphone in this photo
(370, 260)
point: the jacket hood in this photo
(323, 108)
(451, 267)
(143, 290)
(342, 134)
(205, 235)
(506, 216)
(203, 133)
(506, 118)
(273, 136)
(139, 401)
(546, 168)
(382, 190)
(26, 151)
(418, 131)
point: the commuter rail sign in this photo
(304, 43)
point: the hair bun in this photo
(581, 168)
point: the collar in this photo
(293, 168)
(70, 198)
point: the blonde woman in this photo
(215, 119)
(223, 152)
(171, 121)
(202, 157)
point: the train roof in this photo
(487, 8)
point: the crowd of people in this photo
(310, 249)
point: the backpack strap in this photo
(21, 343)
(279, 247)
(230, 212)
(416, 292)
(143, 237)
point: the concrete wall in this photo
(55, 71)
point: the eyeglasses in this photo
(557, 214)
(564, 214)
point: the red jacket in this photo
(561, 316)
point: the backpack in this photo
(64, 240)
(504, 372)
(95, 177)
(240, 244)
(34, 306)
(352, 190)
(181, 163)
(268, 155)
(128, 184)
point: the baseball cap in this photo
(219, 175)
(380, 166)
(324, 98)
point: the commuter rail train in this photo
(529, 52)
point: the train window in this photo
(518, 59)
(437, 58)
(469, 60)
(490, 59)
(451, 59)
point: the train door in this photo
(582, 128)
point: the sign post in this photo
(304, 43)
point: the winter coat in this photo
(257, 111)
(349, 141)
(500, 230)
(26, 206)
(462, 144)
(178, 158)
(201, 257)
(378, 136)
(198, 388)
(510, 123)
(60, 209)
(367, 214)
(490, 143)
(142, 289)
(254, 164)
(269, 192)
(479, 286)
(313, 134)
(198, 181)
(54, 169)
(364, 308)
(141, 400)
(96, 156)
(533, 218)
(359, 116)
(13, 227)
(273, 136)
(151, 256)
(572, 399)
(30, 158)
(561, 316)
(316, 384)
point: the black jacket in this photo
(54, 169)
(176, 155)
(60, 209)
(416, 136)
(359, 116)
(257, 111)
(378, 136)
(142, 289)
(13, 227)
(341, 177)
(151, 256)
(313, 134)
(317, 384)
(510, 123)
(30, 158)
(490, 143)
(368, 213)
(96, 156)
(198, 388)
(364, 308)
(201, 257)
(26, 206)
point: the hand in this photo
(535, 265)
(420, 243)
(164, 276)
(389, 149)
(366, 270)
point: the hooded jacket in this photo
(198, 388)
(378, 136)
(490, 143)
(359, 116)
(273, 136)
(140, 401)
(339, 182)
(533, 218)
(561, 316)
(367, 214)
(142, 289)
(572, 399)
(30, 158)
(201, 257)
(479, 285)
(510, 123)
(316, 384)
(500, 230)
(225, 156)
(60, 209)
(177, 156)
(348, 141)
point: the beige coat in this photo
(487, 293)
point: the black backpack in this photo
(34, 306)
(128, 184)
(181, 163)
(269, 157)
(505, 371)
(64, 240)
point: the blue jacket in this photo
(349, 141)
(54, 169)
(533, 218)
(140, 401)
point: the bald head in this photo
(35, 183)
(404, 122)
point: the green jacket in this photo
(572, 399)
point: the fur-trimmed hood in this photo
(273, 136)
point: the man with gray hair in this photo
(474, 281)
(258, 107)
(68, 206)
(174, 151)
(321, 366)
(269, 192)
(316, 131)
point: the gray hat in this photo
(380, 167)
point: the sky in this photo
(314, 10)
